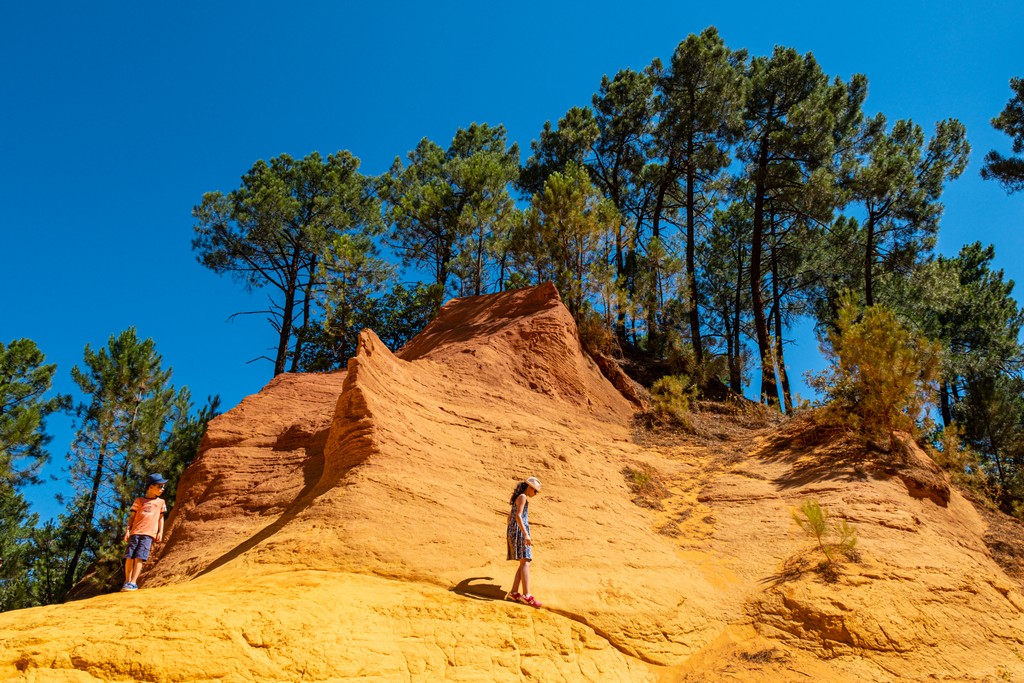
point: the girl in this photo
(520, 545)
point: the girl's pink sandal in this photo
(514, 597)
(530, 600)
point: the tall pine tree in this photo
(272, 232)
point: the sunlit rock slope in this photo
(349, 526)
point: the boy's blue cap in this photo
(155, 479)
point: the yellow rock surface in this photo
(349, 526)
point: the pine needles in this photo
(832, 537)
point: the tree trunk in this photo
(736, 368)
(780, 359)
(691, 267)
(869, 260)
(620, 273)
(654, 335)
(306, 306)
(769, 388)
(999, 466)
(944, 404)
(83, 537)
(287, 313)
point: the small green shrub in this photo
(814, 520)
(671, 397)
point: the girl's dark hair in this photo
(520, 488)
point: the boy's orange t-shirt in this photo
(147, 516)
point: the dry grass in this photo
(709, 423)
(1005, 540)
(766, 656)
(646, 484)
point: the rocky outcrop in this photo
(350, 527)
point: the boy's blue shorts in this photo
(138, 547)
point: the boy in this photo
(145, 522)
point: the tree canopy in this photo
(1009, 170)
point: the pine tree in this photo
(571, 221)
(16, 525)
(797, 124)
(354, 275)
(882, 375)
(445, 203)
(624, 114)
(273, 230)
(699, 108)
(572, 141)
(24, 380)
(724, 257)
(991, 415)
(123, 431)
(900, 183)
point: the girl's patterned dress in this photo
(517, 548)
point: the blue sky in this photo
(115, 118)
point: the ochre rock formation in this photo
(349, 527)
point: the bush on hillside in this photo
(882, 376)
(964, 465)
(671, 398)
(682, 360)
(596, 335)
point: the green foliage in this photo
(831, 537)
(402, 313)
(24, 380)
(724, 259)
(882, 376)
(991, 419)
(700, 372)
(273, 230)
(698, 106)
(571, 224)
(595, 333)
(571, 142)
(900, 182)
(396, 316)
(355, 277)
(965, 465)
(183, 436)
(969, 307)
(16, 526)
(1009, 170)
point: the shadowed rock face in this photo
(349, 526)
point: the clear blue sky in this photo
(116, 117)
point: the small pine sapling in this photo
(814, 520)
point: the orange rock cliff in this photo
(350, 527)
